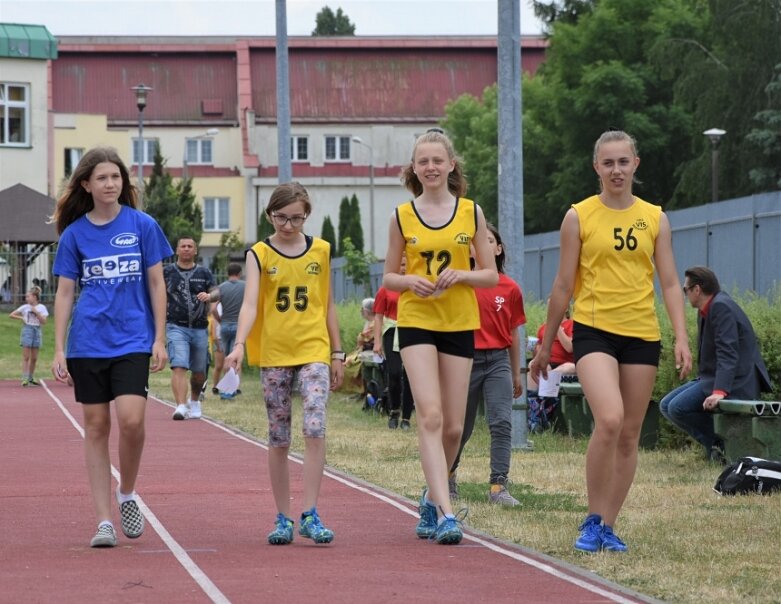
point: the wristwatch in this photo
(338, 355)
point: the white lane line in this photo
(206, 584)
(542, 566)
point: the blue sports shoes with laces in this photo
(449, 531)
(313, 529)
(590, 538)
(610, 541)
(427, 525)
(283, 531)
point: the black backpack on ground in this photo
(749, 475)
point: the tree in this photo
(356, 230)
(328, 23)
(265, 228)
(562, 11)
(230, 244)
(358, 265)
(329, 234)
(765, 137)
(344, 223)
(723, 72)
(173, 206)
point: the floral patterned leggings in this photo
(314, 381)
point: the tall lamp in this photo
(358, 140)
(714, 135)
(141, 92)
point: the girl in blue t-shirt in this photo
(113, 254)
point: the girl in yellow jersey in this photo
(611, 244)
(289, 328)
(437, 311)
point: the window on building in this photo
(149, 150)
(72, 158)
(199, 151)
(299, 148)
(216, 214)
(14, 114)
(337, 148)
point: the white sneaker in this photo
(182, 411)
(195, 409)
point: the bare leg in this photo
(280, 478)
(97, 426)
(422, 364)
(454, 374)
(130, 410)
(599, 376)
(179, 385)
(314, 462)
(197, 380)
(25, 362)
(637, 382)
(33, 360)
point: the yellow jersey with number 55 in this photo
(429, 251)
(290, 327)
(614, 288)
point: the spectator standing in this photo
(729, 362)
(114, 253)
(230, 294)
(33, 315)
(188, 286)
(611, 245)
(496, 374)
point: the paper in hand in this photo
(229, 382)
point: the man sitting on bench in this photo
(730, 363)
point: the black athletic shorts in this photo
(456, 343)
(626, 350)
(103, 380)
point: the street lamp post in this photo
(358, 140)
(141, 92)
(210, 132)
(715, 134)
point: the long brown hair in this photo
(76, 202)
(456, 180)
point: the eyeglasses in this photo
(281, 220)
(686, 290)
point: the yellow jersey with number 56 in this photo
(290, 327)
(429, 251)
(614, 288)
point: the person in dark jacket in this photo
(730, 363)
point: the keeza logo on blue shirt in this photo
(111, 267)
(124, 240)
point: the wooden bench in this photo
(750, 428)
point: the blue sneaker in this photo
(313, 529)
(449, 531)
(610, 541)
(427, 525)
(283, 531)
(590, 539)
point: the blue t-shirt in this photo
(113, 314)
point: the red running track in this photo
(208, 504)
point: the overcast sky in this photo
(258, 17)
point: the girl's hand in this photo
(539, 365)
(683, 358)
(448, 278)
(159, 357)
(234, 359)
(337, 373)
(60, 369)
(420, 286)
